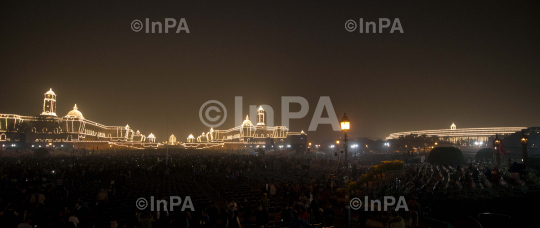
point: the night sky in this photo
(475, 64)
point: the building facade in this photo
(250, 136)
(72, 130)
(462, 136)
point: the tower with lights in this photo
(260, 116)
(49, 104)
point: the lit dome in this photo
(50, 92)
(151, 136)
(247, 121)
(190, 136)
(75, 113)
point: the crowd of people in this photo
(228, 189)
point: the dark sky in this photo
(473, 63)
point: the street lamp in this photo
(496, 150)
(524, 141)
(345, 125)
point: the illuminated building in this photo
(172, 140)
(248, 135)
(72, 130)
(463, 136)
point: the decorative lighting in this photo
(462, 132)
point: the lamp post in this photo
(524, 141)
(345, 125)
(496, 150)
(167, 158)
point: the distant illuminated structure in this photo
(151, 138)
(138, 137)
(48, 129)
(470, 136)
(190, 139)
(172, 140)
(248, 135)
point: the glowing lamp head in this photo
(523, 139)
(337, 141)
(345, 123)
